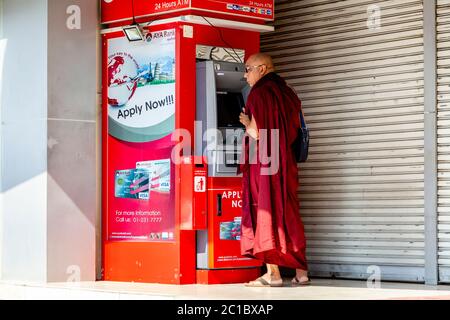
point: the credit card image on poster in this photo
(159, 172)
(132, 184)
(230, 230)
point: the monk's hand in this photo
(244, 119)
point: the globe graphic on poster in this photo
(122, 79)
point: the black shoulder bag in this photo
(301, 144)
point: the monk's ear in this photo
(264, 69)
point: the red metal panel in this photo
(259, 9)
(186, 196)
(121, 11)
(158, 7)
(225, 252)
(227, 276)
(116, 10)
(185, 118)
(105, 189)
(193, 193)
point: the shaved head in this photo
(262, 58)
(257, 66)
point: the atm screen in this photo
(229, 106)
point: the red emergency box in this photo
(194, 174)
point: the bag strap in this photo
(302, 119)
(302, 116)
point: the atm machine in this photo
(221, 94)
(183, 226)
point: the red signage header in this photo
(120, 11)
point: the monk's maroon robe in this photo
(272, 230)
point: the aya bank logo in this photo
(122, 79)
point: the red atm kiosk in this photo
(167, 217)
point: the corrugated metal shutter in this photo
(443, 38)
(362, 190)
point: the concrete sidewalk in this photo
(320, 289)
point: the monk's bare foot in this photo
(266, 281)
(301, 277)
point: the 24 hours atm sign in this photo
(171, 5)
(250, 8)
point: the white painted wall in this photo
(49, 156)
(2, 55)
(23, 134)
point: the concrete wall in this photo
(50, 149)
(72, 127)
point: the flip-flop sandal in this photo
(261, 282)
(297, 283)
(277, 284)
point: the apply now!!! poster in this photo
(141, 119)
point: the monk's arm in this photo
(252, 129)
(250, 125)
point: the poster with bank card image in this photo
(159, 172)
(132, 184)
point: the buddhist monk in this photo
(272, 230)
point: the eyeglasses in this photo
(248, 69)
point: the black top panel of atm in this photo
(229, 107)
(229, 76)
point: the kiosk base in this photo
(222, 276)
